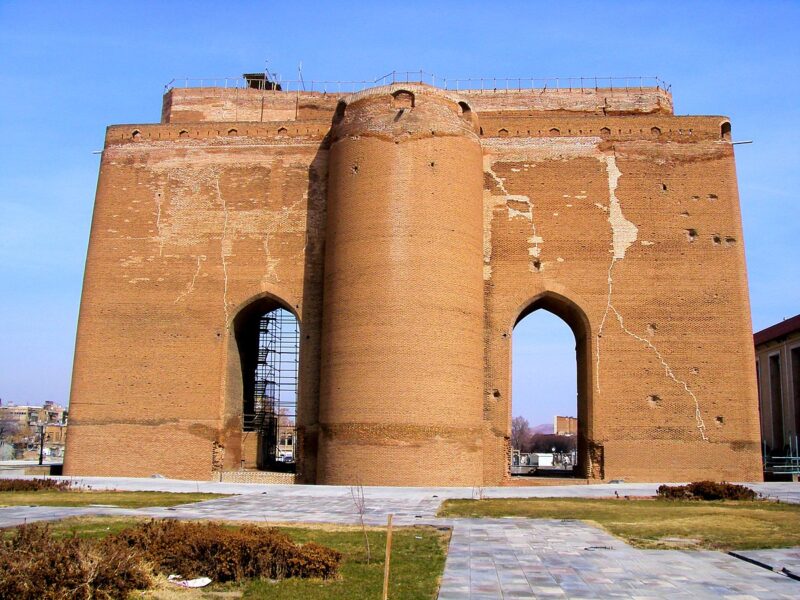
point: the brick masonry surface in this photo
(409, 229)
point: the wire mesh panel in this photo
(275, 389)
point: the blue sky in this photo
(68, 69)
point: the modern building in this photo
(778, 371)
(565, 425)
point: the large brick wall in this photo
(409, 240)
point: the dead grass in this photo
(75, 561)
(649, 523)
(112, 498)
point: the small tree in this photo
(357, 493)
(520, 431)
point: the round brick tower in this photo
(402, 341)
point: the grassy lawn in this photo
(84, 498)
(418, 555)
(650, 523)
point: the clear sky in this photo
(68, 69)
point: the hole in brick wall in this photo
(554, 131)
(695, 370)
(651, 328)
(496, 393)
(183, 133)
(695, 198)
(480, 130)
(233, 131)
(136, 134)
(663, 187)
(725, 131)
(653, 401)
(403, 99)
(717, 240)
(655, 131)
(691, 234)
(432, 163)
(685, 213)
(537, 264)
(354, 169)
(605, 131)
(282, 131)
(502, 132)
(730, 241)
(719, 420)
(551, 388)
(712, 197)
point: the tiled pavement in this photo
(780, 560)
(491, 558)
(519, 558)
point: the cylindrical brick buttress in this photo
(402, 337)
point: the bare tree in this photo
(357, 493)
(9, 427)
(520, 432)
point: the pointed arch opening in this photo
(264, 394)
(551, 392)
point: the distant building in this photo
(33, 416)
(565, 425)
(778, 373)
(30, 424)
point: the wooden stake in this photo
(387, 559)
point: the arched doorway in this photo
(267, 338)
(551, 391)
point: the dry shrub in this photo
(706, 490)
(33, 485)
(211, 550)
(36, 566)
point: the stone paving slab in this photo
(520, 558)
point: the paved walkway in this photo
(490, 558)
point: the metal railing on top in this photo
(490, 84)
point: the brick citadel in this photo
(404, 229)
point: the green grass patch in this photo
(650, 523)
(417, 564)
(418, 556)
(87, 497)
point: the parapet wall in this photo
(195, 105)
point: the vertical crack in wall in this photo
(534, 249)
(190, 286)
(624, 233)
(222, 247)
(159, 200)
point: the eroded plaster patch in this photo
(186, 215)
(534, 241)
